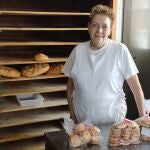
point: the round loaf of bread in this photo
(79, 128)
(9, 72)
(41, 57)
(94, 130)
(35, 70)
(55, 69)
(95, 140)
(85, 136)
(75, 141)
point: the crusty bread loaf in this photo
(35, 70)
(9, 72)
(41, 57)
(55, 69)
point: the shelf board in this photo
(37, 43)
(9, 60)
(29, 117)
(41, 13)
(25, 132)
(40, 77)
(11, 89)
(30, 144)
(40, 29)
(10, 104)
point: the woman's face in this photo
(99, 29)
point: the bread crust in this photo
(9, 72)
(55, 69)
(41, 57)
(35, 70)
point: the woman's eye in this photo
(105, 27)
(94, 25)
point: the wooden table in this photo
(59, 141)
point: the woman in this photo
(97, 70)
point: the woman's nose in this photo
(99, 29)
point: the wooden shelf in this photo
(41, 13)
(40, 29)
(31, 116)
(10, 104)
(28, 29)
(5, 79)
(30, 144)
(7, 60)
(26, 132)
(40, 43)
(12, 88)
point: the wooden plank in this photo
(29, 87)
(23, 117)
(41, 13)
(31, 144)
(10, 104)
(7, 60)
(115, 8)
(25, 132)
(5, 79)
(39, 43)
(40, 29)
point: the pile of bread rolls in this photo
(144, 123)
(84, 134)
(125, 133)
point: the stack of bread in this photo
(84, 134)
(125, 133)
(144, 123)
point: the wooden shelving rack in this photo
(27, 28)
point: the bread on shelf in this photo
(9, 72)
(40, 57)
(35, 70)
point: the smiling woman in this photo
(99, 29)
(96, 71)
(100, 25)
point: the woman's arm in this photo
(137, 91)
(70, 87)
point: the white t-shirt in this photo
(98, 77)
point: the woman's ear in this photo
(110, 30)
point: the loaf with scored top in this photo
(9, 72)
(35, 70)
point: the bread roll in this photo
(79, 128)
(95, 140)
(9, 72)
(55, 69)
(94, 130)
(85, 136)
(41, 57)
(75, 141)
(35, 70)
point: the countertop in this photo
(59, 141)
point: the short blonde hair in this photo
(103, 10)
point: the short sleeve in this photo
(128, 66)
(69, 63)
